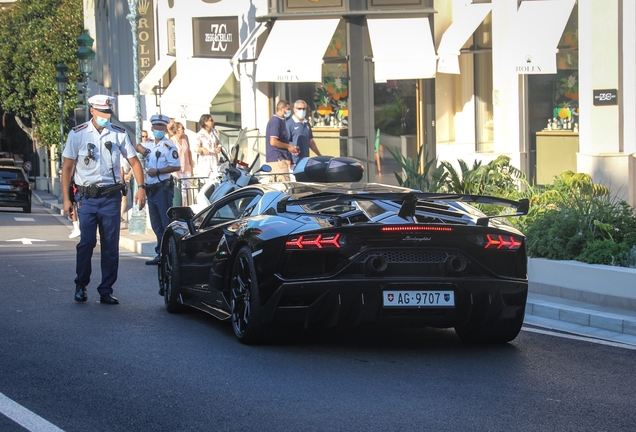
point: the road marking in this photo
(25, 418)
(26, 240)
(24, 219)
(581, 338)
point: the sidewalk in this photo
(544, 311)
(143, 244)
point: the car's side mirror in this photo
(182, 214)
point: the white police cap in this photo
(160, 120)
(102, 103)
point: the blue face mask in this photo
(102, 121)
(287, 113)
(158, 134)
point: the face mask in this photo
(301, 114)
(102, 121)
(287, 113)
(158, 134)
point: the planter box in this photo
(589, 283)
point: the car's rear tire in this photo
(245, 300)
(27, 208)
(499, 332)
(170, 277)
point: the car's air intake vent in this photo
(413, 257)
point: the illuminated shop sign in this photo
(215, 37)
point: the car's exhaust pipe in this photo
(455, 264)
(376, 264)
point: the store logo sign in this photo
(216, 37)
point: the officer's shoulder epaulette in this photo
(118, 128)
(168, 146)
(80, 127)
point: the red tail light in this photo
(497, 241)
(21, 184)
(411, 228)
(316, 241)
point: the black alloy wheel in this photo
(170, 277)
(245, 301)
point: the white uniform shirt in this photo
(104, 164)
(160, 154)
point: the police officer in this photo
(92, 151)
(161, 159)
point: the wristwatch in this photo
(143, 186)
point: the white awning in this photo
(395, 57)
(282, 61)
(466, 19)
(535, 35)
(197, 82)
(249, 41)
(158, 70)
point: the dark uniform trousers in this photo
(159, 201)
(102, 212)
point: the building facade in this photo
(548, 83)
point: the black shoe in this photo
(108, 299)
(161, 292)
(154, 261)
(80, 293)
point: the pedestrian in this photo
(180, 140)
(161, 160)
(208, 146)
(300, 134)
(92, 152)
(278, 151)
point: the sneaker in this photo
(75, 233)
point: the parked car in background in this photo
(15, 190)
(7, 162)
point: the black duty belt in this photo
(94, 191)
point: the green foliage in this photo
(576, 219)
(37, 35)
(418, 174)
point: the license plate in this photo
(419, 299)
(5, 187)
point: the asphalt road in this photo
(134, 367)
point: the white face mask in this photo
(301, 113)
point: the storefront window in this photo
(226, 105)
(329, 99)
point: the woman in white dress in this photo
(208, 146)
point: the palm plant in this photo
(419, 174)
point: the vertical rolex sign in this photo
(146, 37)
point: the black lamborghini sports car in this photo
(319, 255)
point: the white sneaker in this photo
(75, 233)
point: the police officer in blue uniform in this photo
(92, 152)
(161, 159)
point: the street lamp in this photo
(62, 82)
(85, 56)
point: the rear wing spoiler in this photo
(409, 201)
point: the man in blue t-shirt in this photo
(299, 132)
(278, 151)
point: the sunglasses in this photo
(91, 153)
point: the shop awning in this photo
(535, 35)
(410, 56)
(466, 19)
(283, 61)
(158, 70)
(197, 82)
(249, 41)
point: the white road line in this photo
(581, 338)
(25, 418)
